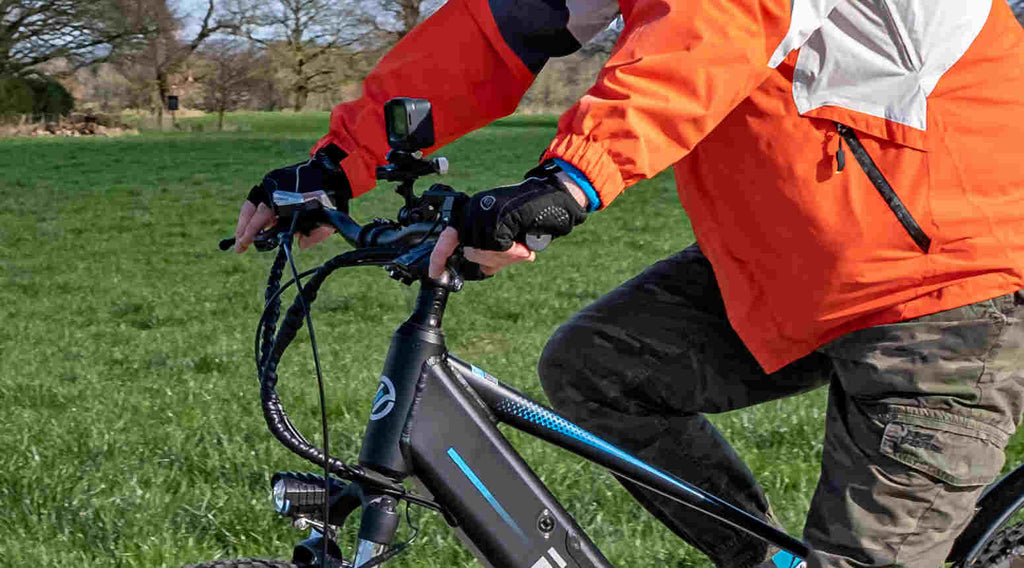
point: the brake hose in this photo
(271, 350)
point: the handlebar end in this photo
(226, 244)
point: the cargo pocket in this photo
(956, 450)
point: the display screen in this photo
(409, 124)
(399, 121)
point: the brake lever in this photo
(312, 207)
(264, 241)
(412, 265)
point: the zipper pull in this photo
(840, 154)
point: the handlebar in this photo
(381, 233)
(408, 242)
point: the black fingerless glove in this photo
(541, 205)
(321, 172)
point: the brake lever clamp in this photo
(412, 265)
(266, 241)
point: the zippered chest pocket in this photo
(885, 190)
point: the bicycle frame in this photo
(435, 419)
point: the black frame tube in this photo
(415, 341)
(518, 411)
(489, 493)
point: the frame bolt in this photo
(546, 523)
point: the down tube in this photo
(518, 411)
(488, 492)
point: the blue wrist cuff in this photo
(593, 201)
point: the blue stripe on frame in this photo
(486, 493)
(543, 417)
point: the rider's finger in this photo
(516, 254)
(246, 213)
(446, 245)
(262, 218)
(316, 236)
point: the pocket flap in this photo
(949, 452)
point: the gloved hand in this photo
(321, 172)
(496, 218)
(500, 219)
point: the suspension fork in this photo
(377, 527)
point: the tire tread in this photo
(1002, 548)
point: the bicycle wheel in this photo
(243, 563)
(1004, 549)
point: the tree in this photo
(33, 32)
(395, 18)
(228, 72)
(302, 34)
(163, 51)
(1018, 9)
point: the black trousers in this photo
(641, 365)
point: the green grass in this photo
(131, 430)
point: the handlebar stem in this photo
(431, 303)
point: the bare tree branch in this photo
(33, 32)
(305, 34)
(163, 52)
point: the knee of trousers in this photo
(561, 365)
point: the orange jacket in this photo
(744, 98)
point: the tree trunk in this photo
(162, 89)
(301, 95)
(301, 89)
(410, 15)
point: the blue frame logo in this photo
(384, 401)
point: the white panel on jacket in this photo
(884, 57)
(806, 16)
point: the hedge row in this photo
(35, 95)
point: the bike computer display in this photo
(409, 124)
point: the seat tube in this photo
(415, 341)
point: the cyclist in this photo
(849, 168)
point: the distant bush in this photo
(49, 98)
(15, 97)
(36, 95)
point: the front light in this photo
(279, 495)
(300, 494)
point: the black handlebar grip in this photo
(226, 244)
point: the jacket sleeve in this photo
(473, 59)
(679, 68)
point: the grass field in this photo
(131, 431)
